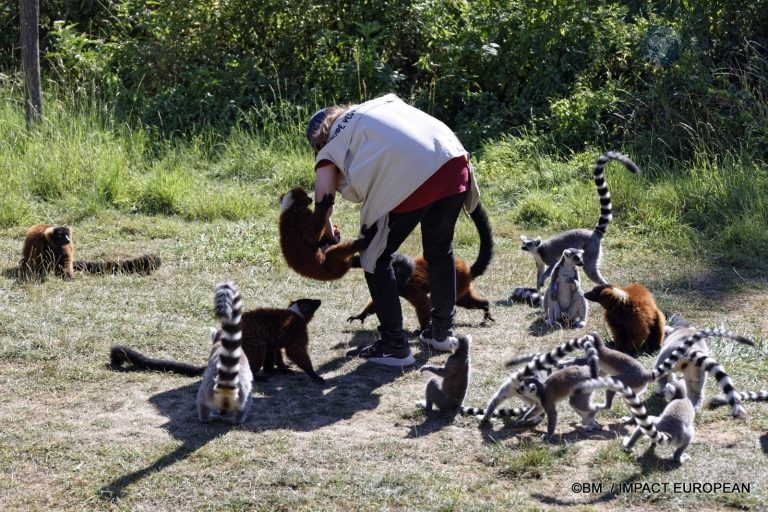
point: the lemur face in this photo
(61, 236)
(575, 255)
(530, 244)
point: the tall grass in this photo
(715, 204)
(80, 162)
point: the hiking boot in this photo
(443, 340)
(389, 354)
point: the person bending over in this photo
(406, 168)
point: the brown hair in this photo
(320, 136)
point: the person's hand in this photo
(325, 204)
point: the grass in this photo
(77, 435)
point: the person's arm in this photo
(326, 178)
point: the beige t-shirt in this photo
(385, 149)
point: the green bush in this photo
(574, 74)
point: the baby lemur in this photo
(564, 301)
(674, 426)
(547, 252)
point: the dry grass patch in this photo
(77, 435)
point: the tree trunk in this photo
(30, 56)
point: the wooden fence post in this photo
(29, 13)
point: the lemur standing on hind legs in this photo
(547, 252)
(449, 395)
(564, 301)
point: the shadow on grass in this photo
(292, 402)
(541, 328)
(21, 276)
(179, 406)
(711, 285)
(434, 421)
(648, 462)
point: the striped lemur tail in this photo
(553, 357)
(511, 412)
(120, 354)
(744, 396)
(710, 365)
(732, 397)
(528, 296)
(636, 406)
(539, 363)
(228, 308)
(664, 367)
(142, 265)
(606, 209)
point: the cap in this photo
(314, 123)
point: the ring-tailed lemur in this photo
(564, 301)
(744, 396)
(544, 396)
(674, 426)
(225, 392)
(695, 376)
(547, 252)
(449, 395)
(630, 372)
(541, 362)
(529, 296)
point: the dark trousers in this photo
(438, 221)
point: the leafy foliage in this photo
(575, 74)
